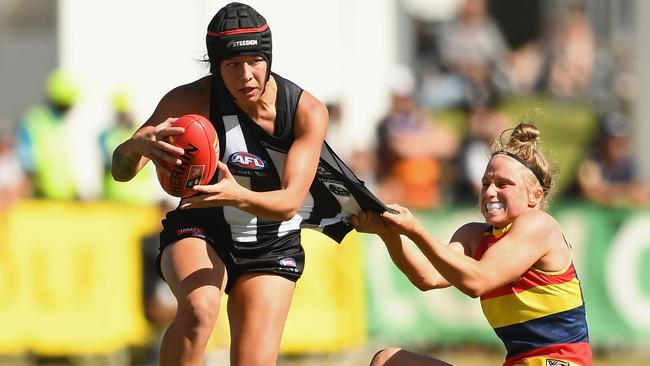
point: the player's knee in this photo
(382, 357)
(200, 308)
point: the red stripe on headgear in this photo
(238, 31)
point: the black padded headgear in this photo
(237, 29)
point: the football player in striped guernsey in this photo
(517, 262)
(241, 233)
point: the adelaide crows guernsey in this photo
(257, 161)
(540, 317)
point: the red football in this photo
(200, 159)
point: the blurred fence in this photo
(70, 283)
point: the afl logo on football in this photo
(246, 160)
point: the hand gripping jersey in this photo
(257, 161)
(540, 317)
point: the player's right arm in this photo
(406, 256)
(410, 260)
(147, 143)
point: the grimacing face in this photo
(505, 191)
(244, 77)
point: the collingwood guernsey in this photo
(257, 159)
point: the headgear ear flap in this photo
(237, 29)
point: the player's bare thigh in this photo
(191, 263)
(257, 309)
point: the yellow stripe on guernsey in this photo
(545, 361)
(532, 303)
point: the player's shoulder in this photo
(469, 235)
(281, 81)
(536, 221)
(191, 90)
(537, 224)
(308, 106)
(308, 100)
(471, 231)
(291, 87)
(192, 97)
(311, 113)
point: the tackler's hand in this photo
(369, 222)
(401, 220)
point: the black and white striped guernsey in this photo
(256, 159)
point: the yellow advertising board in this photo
(328, 311)
(71, 283)
(70, 277)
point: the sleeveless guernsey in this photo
(257, 161)
(540, 317)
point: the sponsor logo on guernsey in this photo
(339, 191)
(246, 160)
(552, 362)
(324, 173)
(190, 231)
(194, 176)
(242, 43)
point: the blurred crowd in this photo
(36, 163)
(466, 65)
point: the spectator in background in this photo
(335, 135)
(142, 188)
(572, 54)
(484, 123)
(43, 142)
(13, 182)
(609, 174)
(472, 52)
(472, 44)
(412, 148)
(360, 160)
(525, 68)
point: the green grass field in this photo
(459, 356)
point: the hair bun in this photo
(525, 132)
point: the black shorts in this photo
(283, 256)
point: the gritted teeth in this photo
(493, 206)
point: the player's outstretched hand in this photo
(369, 222)
(226, 192)
(401, 221)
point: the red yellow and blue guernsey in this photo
(540, 317)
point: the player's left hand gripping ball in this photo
(199, 162)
